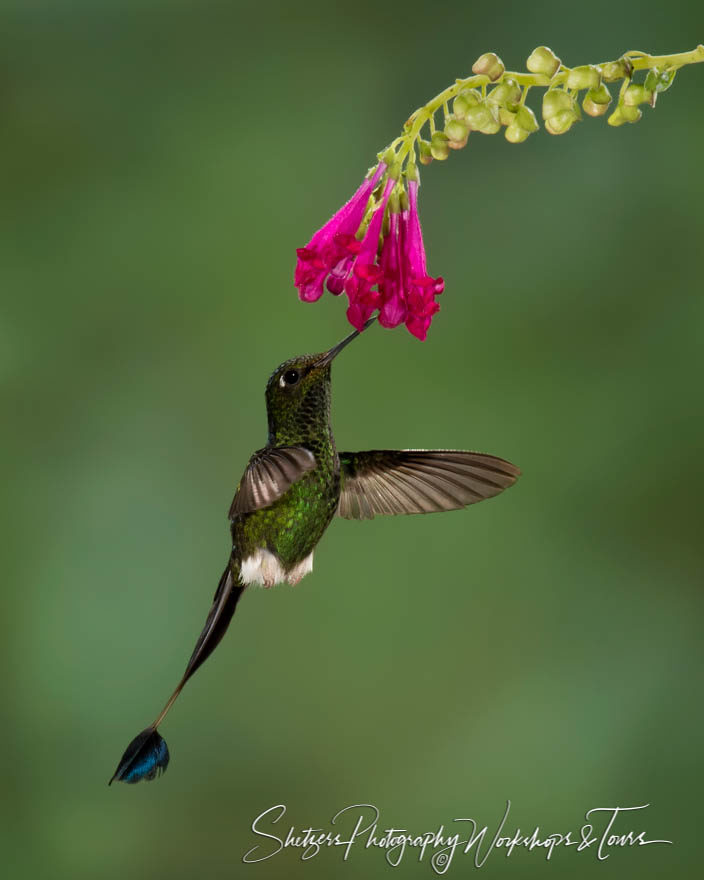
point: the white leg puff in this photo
(300, 570)
(264, 568)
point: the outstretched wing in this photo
(387, 481)
(270, 472)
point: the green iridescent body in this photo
(293, 525)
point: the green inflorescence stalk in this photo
(494, 98)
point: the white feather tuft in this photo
(264, 568)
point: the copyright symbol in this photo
(440, 860)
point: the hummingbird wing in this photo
(271, 472)
(389, 481)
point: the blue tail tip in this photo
(145, 758)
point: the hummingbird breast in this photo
(275, 544)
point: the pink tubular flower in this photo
(393, 288)
(384, 270)
(322, 253)
(365, 273)
(422, 289)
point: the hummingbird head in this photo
(298, 394)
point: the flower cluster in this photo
(372, 249)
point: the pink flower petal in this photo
(322, 252)
(393, 311)
(384, 272)
(366, 273)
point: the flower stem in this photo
(630, 62)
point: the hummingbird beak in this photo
(329, 356)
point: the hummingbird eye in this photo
(290, 377)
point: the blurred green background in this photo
(161, 162)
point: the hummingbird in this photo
(290, 492)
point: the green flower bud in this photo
(460, 106)
(591, 107)
(659, 80)
(555, 101)
(471, 96)
(543, 60)
(596, 101)
(630, 113)
(526, 119)
(561, 123)
(636, 94)
(506, 92)
(489, 64)
(457, 131)
(516, 134)
(624, 113)
(466, 99)
(439, 148)
(601, 95)
(491, 127)
(425, 155)
(616, 70)
(506, 116)
(585, 77)
(484, 118)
